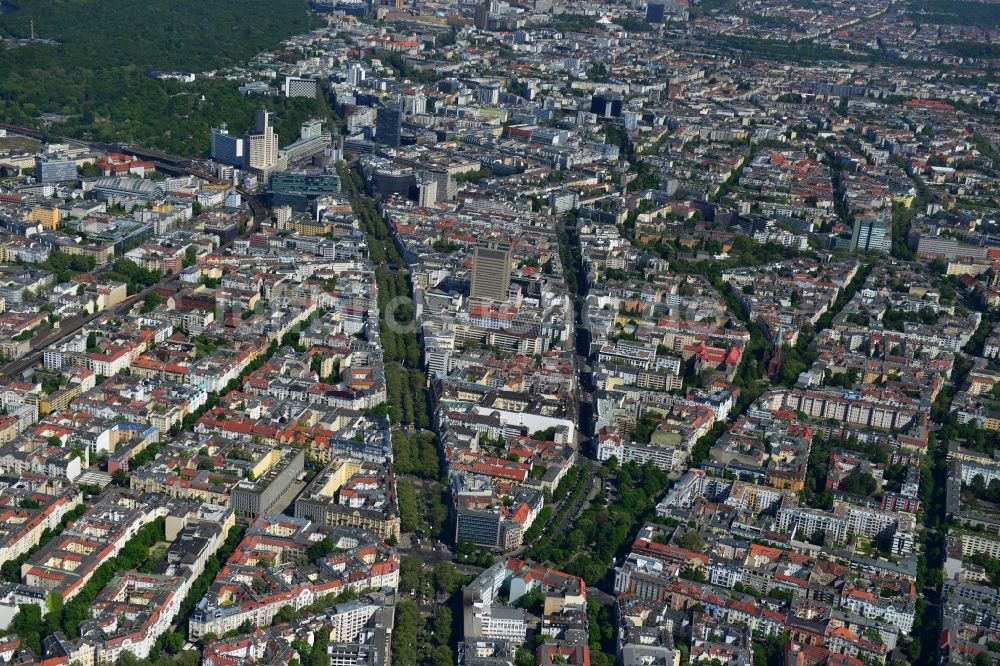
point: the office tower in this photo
(388, 124)
(871, 235)
(300, 188)
(427, 187)
(282, 214)
(606, 104)
(227, 148)
(530, 89)
(491, 266)
(299, 87)
(414, 103)
(489, 93)
(262, 121)
(630, 119)
(482, 17)
(355, 73)
(335, 151)
(56, 168)
(444, 188)
(655, 12)
(262, 146)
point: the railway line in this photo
(69, 327)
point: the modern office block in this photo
(55, 169)
(491, 266)
(871, 235)
(388, 125)
(299, 87)
(226, 148)
(606, 104)
(426, 192)
(298, 188)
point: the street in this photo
(70, 326)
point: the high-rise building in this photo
(335, 151)
(388, 125)
(871, 235)
(655, 12)
(55, 169)
(606, 104)
(482, 17)
(257, 150)
(355, 73)
(530, 89)
(427, 188)
(414, 102)
(491, 266)
(299, 188)
(296, 86)
(489, 93)
(226, 148)
(262, 121)
(262, 145)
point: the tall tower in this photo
(388, 124)
(262, 145)
(427, 187)
(262, 121)
(491, 266)
(655, 12)
(481, 19)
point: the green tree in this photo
(445, 577)
(407, 499)
(190, 255)
(112, 98)
(120, 478)
(27, 625)
(152, 301)
(285, 614)
(404, 644)
(442, 625)
(320, 549)
(442, 656)
(533, 601)
(524, 657)
(173, 642)
(858, 483)
(691, 540)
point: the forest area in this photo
(96, 70)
